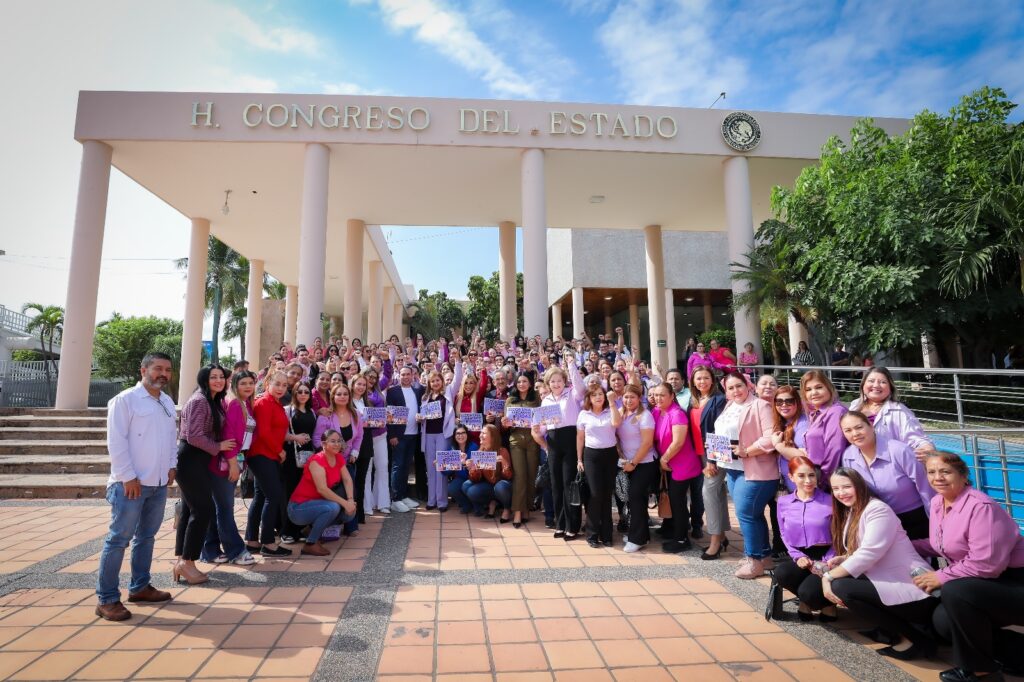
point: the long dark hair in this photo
(531, 395)
(840, 512)
(216, 402)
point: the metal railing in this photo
(13, 320)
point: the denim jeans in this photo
(456, 493)
(265, 509)
(317, 513)
(481, 493)
(136, 521)
(223, 533)
(750, 499)
(404, 453)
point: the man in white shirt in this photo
(142, 441)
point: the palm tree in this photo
(227, 283)
(48, 323)
(234, 327)
(275, 289)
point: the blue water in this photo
(985, 474)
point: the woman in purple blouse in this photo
(982, 587)
(825, 442)
(805, 519)
(889, 417)
(892, 472)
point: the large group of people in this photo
(871, 516)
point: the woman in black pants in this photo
(635, 430)
(358, 386)
(561, 442)
(597, 456)
(201, 419)
(302, 420)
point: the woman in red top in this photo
(315, 501)
(264, 459)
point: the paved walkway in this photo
(417, 596)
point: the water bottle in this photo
(921, 570)
(819, 568)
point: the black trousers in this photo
(801, 582)
(773, 515)
(861, 597)
(972, 615)
(677, 492)
(420, 466)
(600, 465)
(640, 481)
(362, 468)
(562, 464)
(915, 523)
(265, 510)
(197, 509)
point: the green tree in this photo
(484, 312)
(227, 283)
(48, 322)
(435, 315)
(120, 343)
(234, 327)
(275, 289)
(862, 243)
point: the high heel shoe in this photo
(708, 556)
(191, 574)
(913, 652)
(805, 616)
(828, 617)
(504, 520)
(517, 524)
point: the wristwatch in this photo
(827, 577)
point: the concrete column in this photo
(388, 312)
(656, 294)
(84, 276)
(535, 259)
(709, 315)
(609, 328)
(797, 333)
(556, 320)
(740, 222)
(334, 326)
(634, 322)
(291, 311)
(398, 314)
(375, 303)
(578, 324)
(508, 321)
(254, 313)
(313, 243)
(670, 329)
(354, 231)
(930, 352)
(195, 309)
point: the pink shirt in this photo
(976, 536)
(885, 555)
(756, 422)
(686, 463)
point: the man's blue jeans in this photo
(223, 532)
(136, 521)
(750, 499)
(317, 513)
(405, 451)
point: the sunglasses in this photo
(785, 401)
(302, 393)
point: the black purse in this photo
(579, 491)
(543, 477)
(247, 484)
(773, 609)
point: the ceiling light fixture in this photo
(607, 298)
(225, 209)
(689, 299)
(596, 198)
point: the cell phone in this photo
(734, 442)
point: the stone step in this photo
(52, 433)
(53, 447)
(57, 486)
(54, 464)
(52, 412)
(29, 421)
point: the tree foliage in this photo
(48, 323)
(484, 312)
(890, 237)
(120, 344)
(435, 315)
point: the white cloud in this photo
(344, 88)
(668, 55)
(281, 39)
(449, 32)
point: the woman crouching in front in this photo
(316, 500)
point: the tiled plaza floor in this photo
(418, 596)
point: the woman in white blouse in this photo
(635, 431)
(597, 456)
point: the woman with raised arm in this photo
(561, 442)
(377, 493)
(437, 432)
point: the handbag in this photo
(664, 504)
(773, 609)
(301, 456)
(543, 477)
(247, 484)
(579, 491)
(622, 486)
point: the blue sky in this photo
(883, 58)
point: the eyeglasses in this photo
(785, 401)
(302, 393)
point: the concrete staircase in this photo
(53, 454)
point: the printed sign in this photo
(397, 415)
(473, 421)
(485, 459)
(431, 410)
(375, 417)
(549, 416)
(494, 407)
(448, 460)
(521, 417)
(718, 448)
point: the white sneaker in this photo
(221, 559)
(385, 510)
(244, 559)
(367, 513)
(399, 506)
(631, 547)
(410, 503)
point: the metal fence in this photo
(24, 384)
(18, 322)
